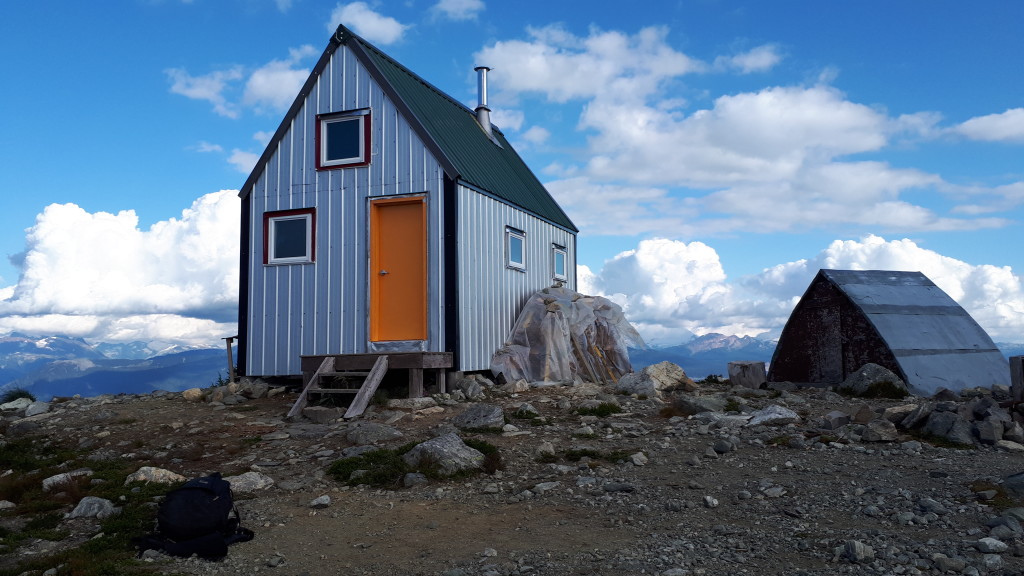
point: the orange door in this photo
(398, 269)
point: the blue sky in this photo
(714, 154)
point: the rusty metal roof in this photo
(936, 342)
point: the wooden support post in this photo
(231, 359)
(442, 384)
(1017, 378)
(415, 382)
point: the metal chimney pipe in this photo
(483, 113)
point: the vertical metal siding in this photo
(491, 294)
(322, 308)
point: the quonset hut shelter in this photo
(385, 217)
(899, 320)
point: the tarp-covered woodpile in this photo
(562, 335)
(899, 320)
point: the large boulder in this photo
(448, 452)
(480, 417)
(94, 507)
(872, 379)
(372, 433)
(689, 405)
(564, 336)
(747, 374)
(949, 425)
(655, 379)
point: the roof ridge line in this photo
(344, 34)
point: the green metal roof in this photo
(478, 161)
(448, 128)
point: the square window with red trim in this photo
(289, 236)
(343, 139)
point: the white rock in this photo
(63, 478)
(1009, 446)
(638, 459)
(773, 415)
(153, 474)
(16, 405)
(250, 482)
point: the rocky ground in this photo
(784, 481)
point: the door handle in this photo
(384, 272)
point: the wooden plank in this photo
(415, 383)
(402, 361)
(369, 387)
(327, 365)
(442, 384)
(1017, 378)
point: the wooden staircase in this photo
(328, 381)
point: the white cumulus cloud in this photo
(563, 67)
(760, 59)
(242, 160)
(209, 87)
(669, 288)
(100, 276)
(367, 22)
(274, 85)
(1005, 127)
(458, 9)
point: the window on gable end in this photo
(515, 248)
(558, 256)
(289, 236)
(343, 139)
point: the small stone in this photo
(193, 395)
(990, 546)
(321, 502)
(722, 446)
(638, 459)
(619, 487)
(711, 502)
(856, 551)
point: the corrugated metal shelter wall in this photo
(490, 293)
(322, 308)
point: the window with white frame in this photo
(558, 256)
(515, 248)
(288, 236)
(343, 139)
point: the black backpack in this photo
(198, 518)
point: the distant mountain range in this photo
(65, 366)
(706, 355)
(711, 353)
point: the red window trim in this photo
(267, 216)
(364, 116)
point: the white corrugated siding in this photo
(322, 308)
(491, 294)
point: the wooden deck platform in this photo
(414, 362)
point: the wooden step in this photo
(348, 374)
(334, 390)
